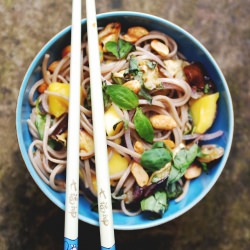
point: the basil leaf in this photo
(106, 97)
(40, 125)
(155, 205)
(111, 46)
(159, 144)
(185, 157)
(119, 49)
(133, 66)
(145, 94)
(124, 48)
(174, 190)
(143, 126)
(156, 158)
(122, 96)
(181, 162)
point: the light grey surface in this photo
(28, 220)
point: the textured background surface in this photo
(28, 220)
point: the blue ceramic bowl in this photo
(193, 51)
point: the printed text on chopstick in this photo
(103, 207)
(73, 198)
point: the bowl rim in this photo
(40, 183)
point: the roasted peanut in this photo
(53, 66)
(130, 39)
(133, 85)
(137, 31)
(134, 33)
(111, 28)
(164, 122)
(160, 48)
(140, 174)
(138, 147)
(42, 87)
(66, 51)
(193, 172)
(169, 143)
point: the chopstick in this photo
(101, 158)
(72, 170)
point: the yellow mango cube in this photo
(203, 111)
(113, 122)
(58, 105)
(117, 163)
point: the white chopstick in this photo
(72, 170)
(101, 158)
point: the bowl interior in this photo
(193, 51)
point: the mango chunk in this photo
(203, 111)
(117, 163)
(58, 105)
(113, 122)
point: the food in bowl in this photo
(159, 108)
(189, 49)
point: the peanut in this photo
(164, 122)
(42, 87)
(140, 174)
(160, 48)
(53, 66)
(111, 28)
(66, 51)
(169, 143)
(193, 172)
(138, 147)
(135, 33)
(133, 85)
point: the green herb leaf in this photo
(112, 47)
(124, 48)
(155, 158)
(185, 157)
(122, 96)
(155, 205)
(40, 124)
(145, 94)
(106, 97)
(159, 144)
(182, 161)
(174, 190)
(133, 66)
(143, 126)
(119, 49)
(204, 167)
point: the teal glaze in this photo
(70, 244)
(112, 248)
(194, 51)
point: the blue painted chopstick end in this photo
(111, 248)
(70, 244)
